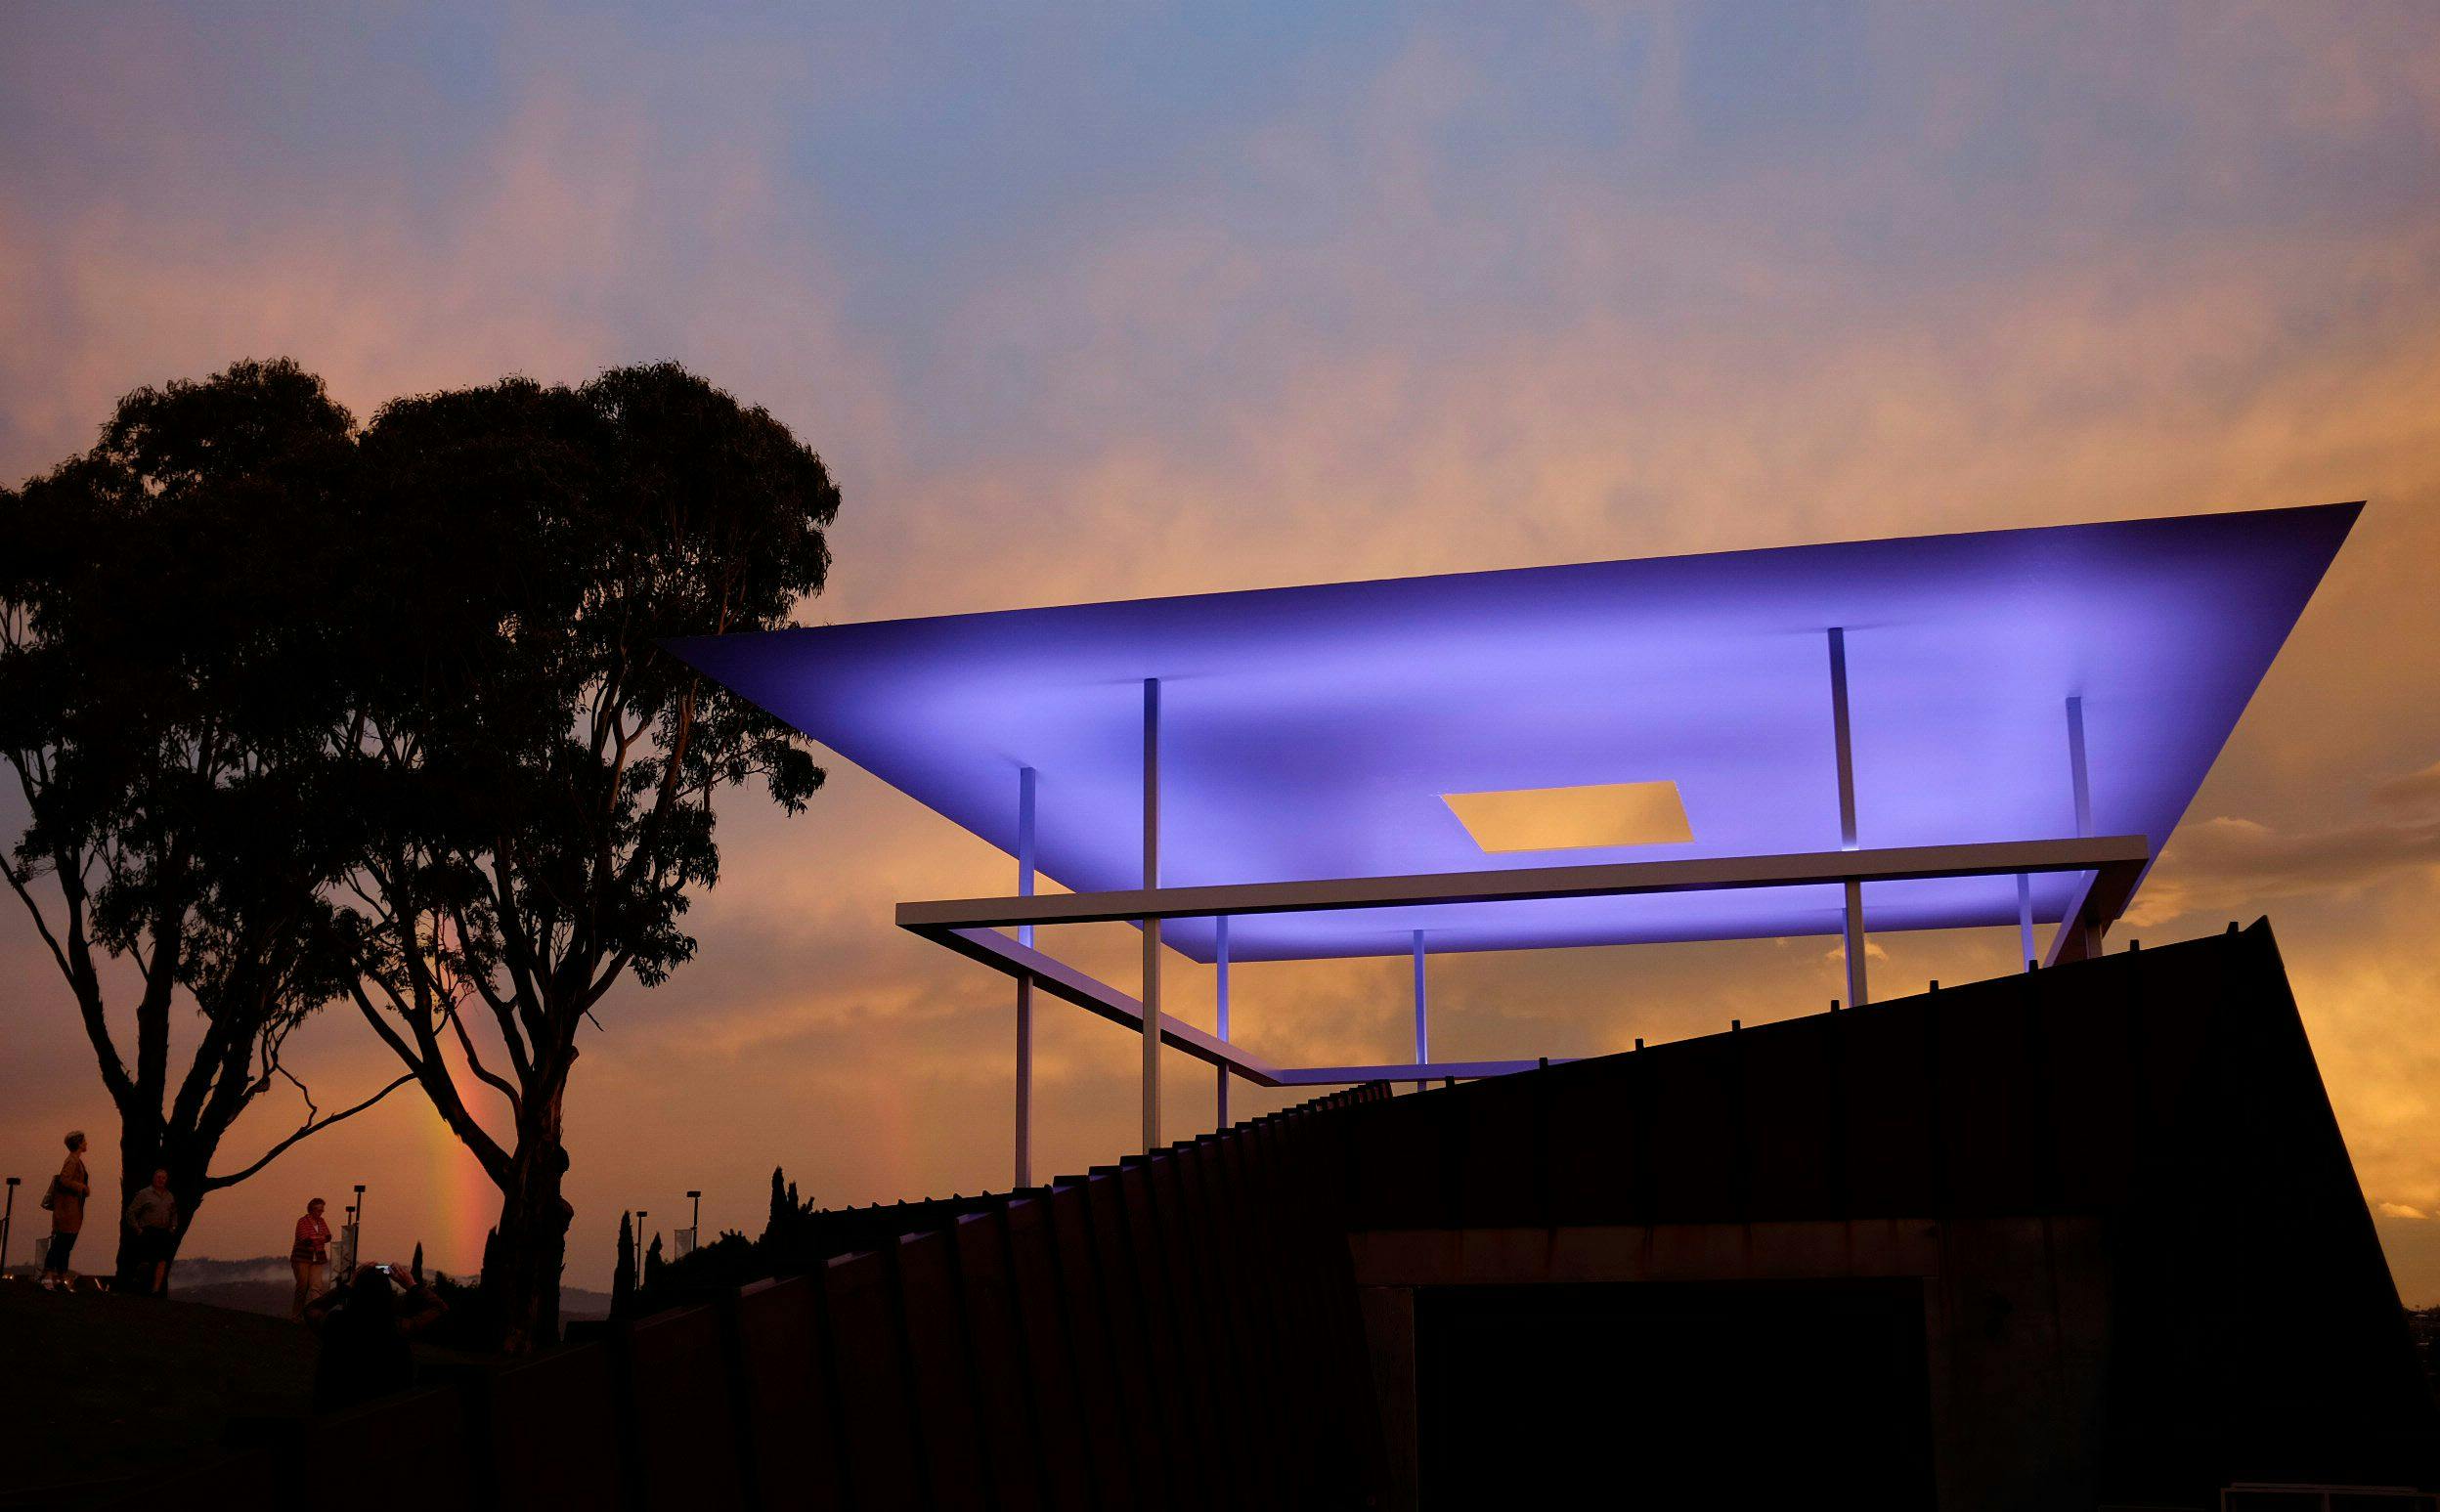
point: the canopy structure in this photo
(1993, 728)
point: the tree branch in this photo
(42, 926)
(390, 1036)
(483, 1073)
(433, 1075)
(310, 1126)
(520, 1060)
(85, 983)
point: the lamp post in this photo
(8, 1222)
(694, 1234)
(358, 1256)
(641, 1215)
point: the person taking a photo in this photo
(364, 1325)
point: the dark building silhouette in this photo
(2085, 1237)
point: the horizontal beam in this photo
(1060, 980)
(2114, 864)
(2099, 902)
(2121, 856)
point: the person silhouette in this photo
(309, 1257)
(153, 1226)
(364, 1326)
(66, 1202)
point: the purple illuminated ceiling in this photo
(1310, 732)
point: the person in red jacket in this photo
(309, 1257)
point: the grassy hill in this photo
(100, 1388)
(97, 1389)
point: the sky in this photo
(1121, 302)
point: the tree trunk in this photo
(136, 1151)
(140, 1154)
(522, 1268)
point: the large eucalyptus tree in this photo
(169, 664)
(534, 776)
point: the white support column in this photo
(2076, 773)
(2024, 921)
(1024, 983)
(2081, 782)
(1854, 932)
(1152, 927)
(1220, 991)
(1422, 1029)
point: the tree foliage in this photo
(623, 1279)
(305, 713)
(167, 664)
(536, 775)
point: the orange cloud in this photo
(1319, 352)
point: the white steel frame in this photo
(2109, 867)
(972, 927)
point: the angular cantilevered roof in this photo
(1323, 731)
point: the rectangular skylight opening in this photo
(1597, 816)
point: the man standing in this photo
(153, 1222)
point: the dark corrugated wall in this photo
(1183, 1331)
(1178, 1331)
(2253, 1331)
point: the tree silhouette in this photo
(623, 1279)
(788, 1211)
(165, 661)
(652, 1262)
(297, 711)
(536, 776)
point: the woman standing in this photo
(66, 1202)
(311, 1257)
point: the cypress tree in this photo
(622, 1280)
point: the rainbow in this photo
(461, 1197)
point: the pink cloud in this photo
(1182, 398)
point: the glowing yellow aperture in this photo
(1610, 813)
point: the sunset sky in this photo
(1164, 299)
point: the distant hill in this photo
(266, 1286)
